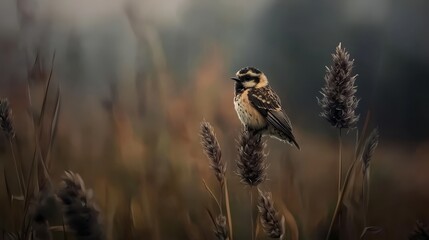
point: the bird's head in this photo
(250, 77)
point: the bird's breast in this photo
(248, 115)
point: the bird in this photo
(259, 108)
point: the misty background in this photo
(149, 71)
(289, 40)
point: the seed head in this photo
(338, 95)
(42, 209)
(251, 164)
(80, 211)
(371, 144)
(271, 222)
(6, 118)
(220, 230)
(213, 151)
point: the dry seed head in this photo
(213, 151)
(251, 164)
(271, 222)
(338, 95)
(6, 118)
(80, 212)
(371, 144)
(220, 230)
(43, 208)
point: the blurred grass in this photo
(140, 153)
(139, 149)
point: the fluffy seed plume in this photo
(371, 144)
(273, 225)
(6, 118)
(420, 232)
(338, 95)
(251, 164)
(212, 150)
(80, 212)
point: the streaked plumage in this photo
(258, 106)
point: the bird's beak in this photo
(236, 79)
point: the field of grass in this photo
(117, 120)
(138, 170)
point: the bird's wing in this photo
(266, 101)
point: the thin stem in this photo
(64, 228)
(30, 175)
(340, 197)
(228, 209)
(340, 171)
(291, 223)
(364, 199)
(212, 194)
(221, 198)
(19, 174)
(356, 143)
(340, 162)
(366, 196)
(251, 213)
(363, 132)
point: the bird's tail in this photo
(294, 142)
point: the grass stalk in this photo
(18, 170)
(365, 194)
(44, 170)
(221, 199)
(340, 168)
(54, 124)
(340, 161)
(291, 222)
(251, 214)
(341, 197)
(64, 228)
(228, 208)
(213, 195)
(371, 144)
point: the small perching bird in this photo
(258, 107)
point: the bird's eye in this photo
(247, 78)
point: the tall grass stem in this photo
(228, 209)
(251, 214)
(340, 161)
(19, 174)
(341, 197)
